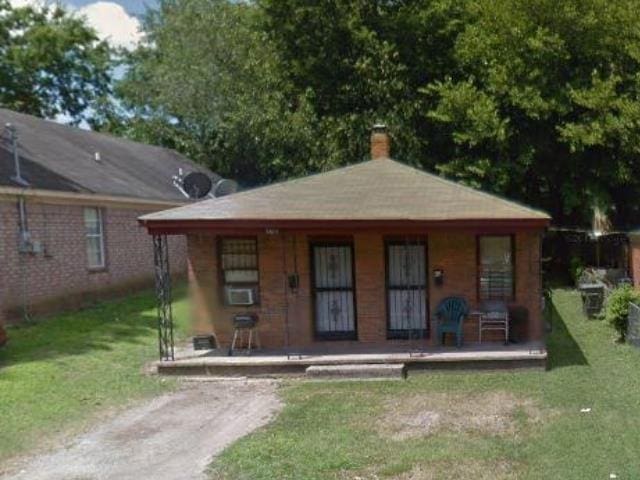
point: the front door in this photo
(333, 286)
(406, 289)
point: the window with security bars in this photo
(495, 267)
(94, 235)
(239, 265)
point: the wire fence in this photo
(633, 332)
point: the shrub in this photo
(576, 269)
(617, 309)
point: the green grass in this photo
(57, 374)
(336, 430)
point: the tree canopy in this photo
(534, 99)
(51, 62)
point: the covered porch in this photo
(360, 289)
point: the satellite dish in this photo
(225, 187)
(197, 185)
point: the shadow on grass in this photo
(106, 326)
(563, 350)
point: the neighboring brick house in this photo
(70, 233)
(634, 254)
(361, 254)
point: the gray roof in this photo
(379, 190)
(62, 158)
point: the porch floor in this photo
(295, 361)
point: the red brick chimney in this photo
(380, 142)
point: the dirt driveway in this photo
(170, 437)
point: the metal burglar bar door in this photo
(335, 316)
(406, 290)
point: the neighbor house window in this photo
(239, 266)
(94, 233)
(495, 267)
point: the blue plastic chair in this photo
(450, 314)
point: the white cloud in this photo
(112, 23)
(109, 19)
(24, 3)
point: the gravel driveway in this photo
(170, 437)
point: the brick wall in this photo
(634, 260)
(454, 253)
(58, 278)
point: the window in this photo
(495, 267)
(239, 266)
(94, 233)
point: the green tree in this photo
(544, 104)
(51, 62)
(364, 61)
(278, 89)
(534, 99)
(207, 83)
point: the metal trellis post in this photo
(163, 297)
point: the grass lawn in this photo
(56, 375)
(522, 424)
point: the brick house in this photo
(634, 257)
(360, 255)
(69, 229)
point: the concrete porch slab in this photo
(276, 363)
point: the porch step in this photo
(358, 371)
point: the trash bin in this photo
(592, 297)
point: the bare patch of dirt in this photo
(476, 469)
(492, 413)
(465, 468)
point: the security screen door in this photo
(406, 290)
(333, 284)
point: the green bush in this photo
(617, 309)
(576, 268)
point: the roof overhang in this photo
(61, 197)
(254, 226)
(634, 237)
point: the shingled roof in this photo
(63, 158)
(378, 190)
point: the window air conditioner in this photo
(240, 296)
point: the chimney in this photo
(380, 142)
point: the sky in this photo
(115, 20)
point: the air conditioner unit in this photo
(240, 296)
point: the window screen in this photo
(94, 234)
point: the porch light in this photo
(438, 277)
